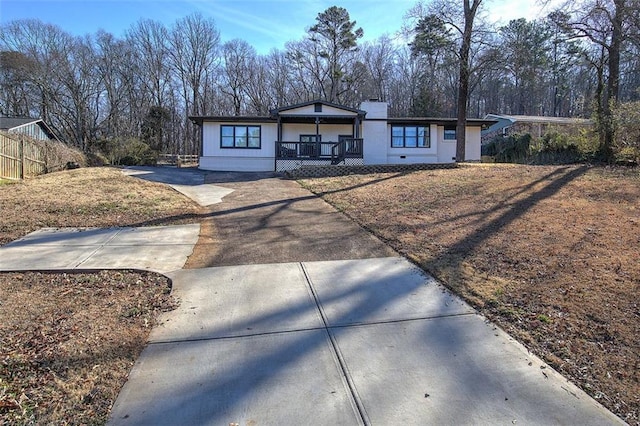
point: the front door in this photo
(310, 145)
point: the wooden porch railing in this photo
(335, 152)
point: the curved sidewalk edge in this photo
(159, 248)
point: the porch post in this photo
(279, 129)
(318, 147)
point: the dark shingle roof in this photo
(7, 123)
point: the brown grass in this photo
(88, 197)
(68, 341)
(549, 253)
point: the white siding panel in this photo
(412, 159)
(237, 164)
(211, 148)
(374, 109)
(376, 137)
(446, 148)
(472, 145)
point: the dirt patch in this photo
(68, 341)
(549, 253)
(89, 197)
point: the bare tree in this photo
(237, 70)
(43, 44)
(193, 48)
(148, 41)
(609, 24)
(454, 22)
(19, 94)
(378, 58)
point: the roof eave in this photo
(199, 120)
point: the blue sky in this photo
(265, 24)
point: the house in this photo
(536, 126)
(321, 133)
(32, 127)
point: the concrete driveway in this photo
(315, 321)
(367, 341)
(332, 328)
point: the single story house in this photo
(536, 126)
(321, 133)
(32, 127)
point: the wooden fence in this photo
(21, 157)
(179, 160)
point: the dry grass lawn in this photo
(88, 197)
(552, 254)
(68, 341)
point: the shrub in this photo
(126, 152)
(626, 119)
(554, 147)
(511, 149)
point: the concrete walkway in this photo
(372, 341)
(160, 248)
(187, 181)
(368, 339)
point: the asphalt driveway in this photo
(257, 218)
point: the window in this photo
(450, 133)
(410, 137)
(240, 137)
(317, 107)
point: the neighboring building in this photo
(536, 126)
(32, 127)
(319, 133)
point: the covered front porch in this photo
(318, 134)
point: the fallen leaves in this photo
(67, 342)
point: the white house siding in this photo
(447, 148)
(472, 145)
(238, 159)
(375, 136)
(414, 155)
(375, 109)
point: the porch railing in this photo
(346, 148)
(335, 152)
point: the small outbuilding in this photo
(35, 128)
(536, 126)
(322, 133)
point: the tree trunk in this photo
(463, 83)
(613, 81)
